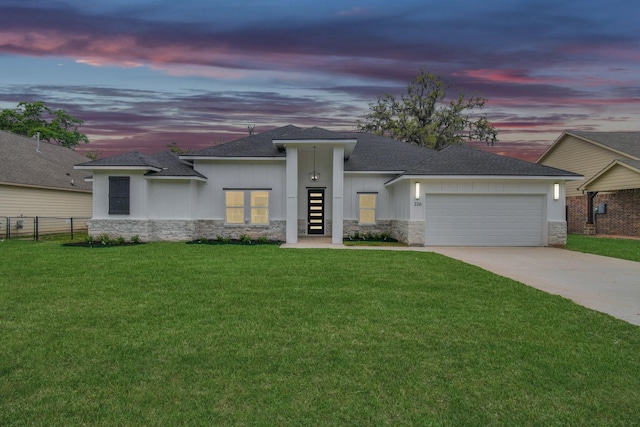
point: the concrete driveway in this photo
(604, 284)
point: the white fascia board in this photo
(485, 177)
(373, 172)
(118, 168)
(178, 178)
(266, 159)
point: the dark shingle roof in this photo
(377, 153)
(168, 163)
(173, 166)
(371, 153)
(257, 145)
(131, 159)
(51, 166)
(625, 142)
(457, 160)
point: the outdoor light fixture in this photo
(556, 191)
(417, 190)
(314, 176)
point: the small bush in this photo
(135, 239)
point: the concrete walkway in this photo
(608, 285)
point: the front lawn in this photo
(175, 334)
(616, 248)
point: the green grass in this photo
(175, 334)
(628, 249)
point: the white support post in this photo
(292, 194)
(338, 195)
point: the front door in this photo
(315, 211)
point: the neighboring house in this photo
(608, 201)
(291, 182)
(39, 179)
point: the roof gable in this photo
(621, 174)
(24, 161)
(626, 144)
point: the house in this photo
(608, 201)
(291, 182)
(39, 179)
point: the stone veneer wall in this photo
(409, 232)
(557, 233)
(183, 230)
(352, 226)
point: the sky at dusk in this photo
(145, 73)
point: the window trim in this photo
(373, 209)
(116, 197)
(248, 208)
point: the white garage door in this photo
(484, 220)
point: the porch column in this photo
(338, 192)
(292, 194)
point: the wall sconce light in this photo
(417, 190)
(556, 191)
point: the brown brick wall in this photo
(622, 217)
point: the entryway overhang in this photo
(320, 139)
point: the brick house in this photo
(608, 201)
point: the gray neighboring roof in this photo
(377, 153)
(457, 160)
(50, 167)
(257, 145)
(632, 163)
(625, 142)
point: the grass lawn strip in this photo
(175, 334)
(628, 249)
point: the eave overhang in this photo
(484, 177)
(120, 168)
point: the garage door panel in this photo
(484, 220)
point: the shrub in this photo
(135, 239)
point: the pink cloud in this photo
(511, 76)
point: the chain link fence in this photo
(35, 227)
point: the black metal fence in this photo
(35, 227)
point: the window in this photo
(235, 207)
(367, 203)
(257, 209)
(119, 195)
